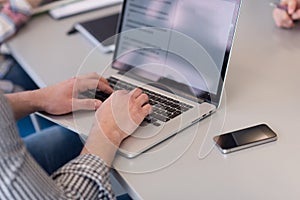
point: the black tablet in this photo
(99, 31)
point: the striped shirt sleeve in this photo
(85, 177)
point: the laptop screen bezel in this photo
(203, 95)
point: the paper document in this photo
(80, 7)
(52, 5)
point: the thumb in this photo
(86, 104)
(292, 5)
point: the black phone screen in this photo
(245, 136)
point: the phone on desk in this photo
(245, 138)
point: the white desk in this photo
(262, 86)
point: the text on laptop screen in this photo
(187, 41)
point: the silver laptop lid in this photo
(182, 45)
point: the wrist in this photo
(101, 143)
(37, 100)
(113, 135)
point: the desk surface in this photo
(261, 86)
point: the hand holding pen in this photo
(286, 13)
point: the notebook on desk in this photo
(178, 52)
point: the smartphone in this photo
(245, 138)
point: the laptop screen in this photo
(180, 43)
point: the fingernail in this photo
(295, 16)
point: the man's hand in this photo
(59, 99)
(285, 19)
(122, 113)
(117, 118)
(63, 97)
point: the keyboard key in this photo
(102, 96)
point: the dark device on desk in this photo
(100, 31)
(245, 138)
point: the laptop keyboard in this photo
(163, 108)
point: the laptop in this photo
(178, 52)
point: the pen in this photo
(72, 31)
(279, 6)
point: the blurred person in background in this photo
(287, 13)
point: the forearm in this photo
(24, 103)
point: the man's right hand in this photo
(116, 119)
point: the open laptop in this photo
(177, 51)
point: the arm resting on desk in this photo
(60, 98)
